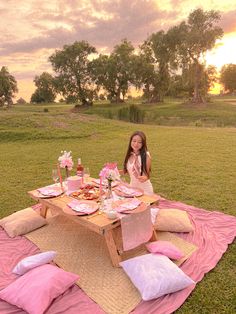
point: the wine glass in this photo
(86, 174)
(55, 175)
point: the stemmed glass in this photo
(55, 175)
(86, 174)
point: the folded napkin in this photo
(130, 205)
(80, 207)
(50, 191)
(128, 190)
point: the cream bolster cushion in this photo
(173, 220)
(155, 275)
(22, 222)
(34, 291)
(33, 261)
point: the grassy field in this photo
(220, 112)
(194, 165)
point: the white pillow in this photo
(155, 275)
(33, 261)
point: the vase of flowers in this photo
(110, 173)
(66, 161)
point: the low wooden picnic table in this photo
(97, 222)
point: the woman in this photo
(138, 163)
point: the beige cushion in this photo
(22, 222)
(173, 220)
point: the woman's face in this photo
(136, 143)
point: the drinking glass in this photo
(55, 175)
(86, 174)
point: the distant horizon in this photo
(38, 29)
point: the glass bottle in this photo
(80, 168)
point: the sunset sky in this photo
(31, 30)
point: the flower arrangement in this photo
(110, 172)
(66, 161)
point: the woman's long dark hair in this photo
(143, 152)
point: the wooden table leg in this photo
(115, 257)
(43, 210)
(154, 236)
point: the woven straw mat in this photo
(85, 253)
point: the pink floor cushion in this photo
(155, 275)
(33, 261)
(166, 248)
(35, 290)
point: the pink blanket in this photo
(213, 232)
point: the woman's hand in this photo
(143, 178)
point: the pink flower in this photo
(110, 172)
(66, 160)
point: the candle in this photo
(100, 186)
(59, 174)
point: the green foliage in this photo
(228, 77)
(73, 76)
(45, 91)
(115, 73)
(193, 40)
(8, 87)
(131, 114)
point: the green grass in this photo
(192, 165)
(218, 113)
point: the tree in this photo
(196, 37)
(73, 77)
(228, 77)
(8, 87)
(45, 91)
(21, 101)
(115, 73)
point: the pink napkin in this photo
(128, 190)
(50, 191)
(80, 207)
(136, 229)
(129, 205)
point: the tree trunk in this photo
(197, 98)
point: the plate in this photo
(58, 191)
(125, 192)
(88, 193)
(142, 206)
(93, 207)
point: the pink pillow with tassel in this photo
(166, 248)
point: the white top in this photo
(134, 182)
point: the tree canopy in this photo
(45, 91)
(8, 87)
(228, 77)
(196, 37)
(73, 79)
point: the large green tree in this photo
(115, 73)
(195, 38)
(228, 77)
(8, 87)
(71, 65)
(158, 55)
(45, 91)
